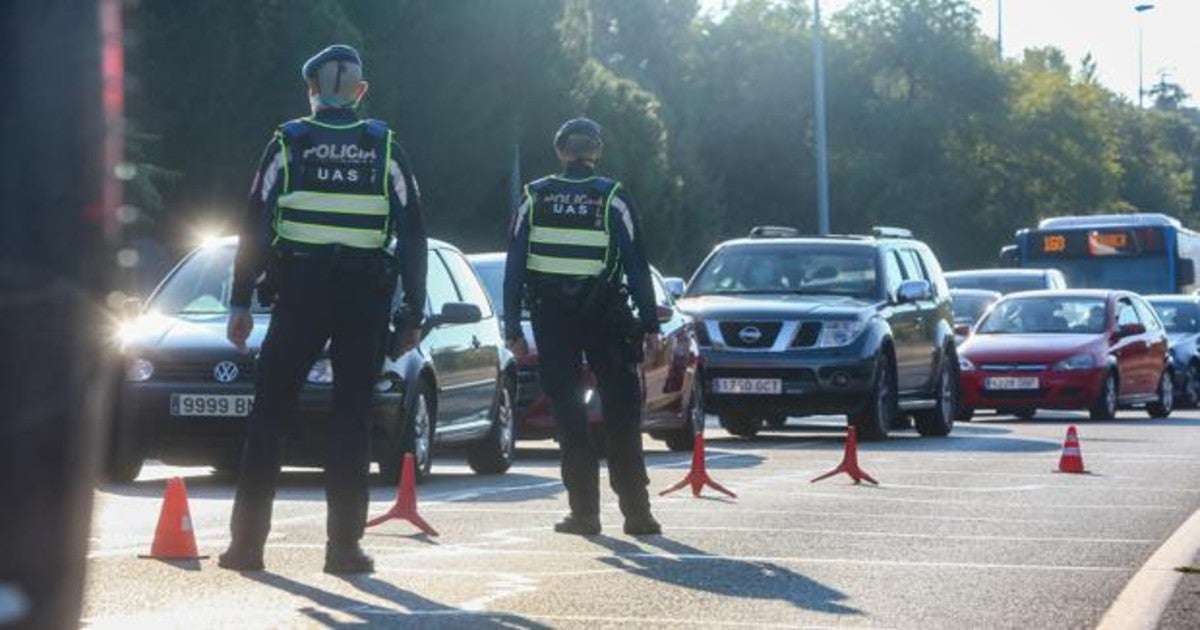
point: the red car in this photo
(1067, 349)
(669, 410)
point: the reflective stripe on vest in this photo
(330, 235)
(568, 251)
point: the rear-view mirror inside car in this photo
(664, 313)
(1129, 330)
(458, 313)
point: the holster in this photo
(610, 301)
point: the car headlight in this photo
(965, 365)
(139, 370)
(839, 333)
(1077, 362)
(321, 372)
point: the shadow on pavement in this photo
(697, 570)
(419, 612)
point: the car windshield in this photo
(969, 308)
(1178, 317)
(997, 282)
(201, 286)
(1046, 314)
(797, 269)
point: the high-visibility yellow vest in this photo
(568, 226)
(335, 184)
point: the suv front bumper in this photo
(813, 381)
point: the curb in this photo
(1145, 598)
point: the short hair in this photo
(580, 146)
(337, 80)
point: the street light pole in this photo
(819, 123)
(1141, 8)
(1000, 27)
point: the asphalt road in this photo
(968, 531)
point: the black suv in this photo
(857, 325)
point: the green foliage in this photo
(708, 120)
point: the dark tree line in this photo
(709, 121)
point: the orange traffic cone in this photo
(698, 475)
(174, 538)
(405, 508)
(1072, 458)
(849, 463)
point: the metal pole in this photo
(819, 122)
(1000, 27)
(1141, 8)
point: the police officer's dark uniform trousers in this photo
(573, 232)
(334, 212)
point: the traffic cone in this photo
(174, 538)
(1072, 458)
(698, 476)
(405, 508)
(849, 463)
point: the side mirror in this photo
(913, 291)
(1010, 256)
(131, 308)
(675, 287)
(1129, 330)
(664, 313)
(457, 313)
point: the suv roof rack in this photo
(890, 232)
(773, 231)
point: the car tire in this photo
(1165, 403)
(684, 438)
(123, 464)
(1024, 413)
(873, 421)
(493, 454)
(939, 421)
(776, 421)
(1189, 393)
(965, 414)
(420, 415)
(1106, 404)
(741, 425)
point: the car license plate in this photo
(212, 405)
(747, 386)
(1012, 382)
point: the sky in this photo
(1105, 28)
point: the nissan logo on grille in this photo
(750, 335)
(225, 372)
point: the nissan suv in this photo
(855, 325)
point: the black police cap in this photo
(577, 127)
(336, 52)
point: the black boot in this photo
(642, 524)
(347, 558)
(241, 558)
(579, 525)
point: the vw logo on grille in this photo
(225, 372)
(749, 335)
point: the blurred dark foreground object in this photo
(55, 259)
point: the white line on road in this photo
(869, 534)
(1143, 600)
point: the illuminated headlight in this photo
(321, 372)
(839, 333)
(965, 365)
(1077, 362)
(139, 370)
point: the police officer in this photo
(331, 192)
(574, 238)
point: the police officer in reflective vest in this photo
(576, 257)
(333, 217)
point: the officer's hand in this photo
(652, 345)
(237, 331)
(409, 339)
(518, 347)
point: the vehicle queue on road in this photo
(772, 326)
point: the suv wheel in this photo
(965, 414)
(124, 463)
(1189, 394)
(1165, 403)
(776, 421)
(1106, 405)
(494, 453)
(418, 416)
(684, 438)
(741, 425)
(939, 421)
(874, 420)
